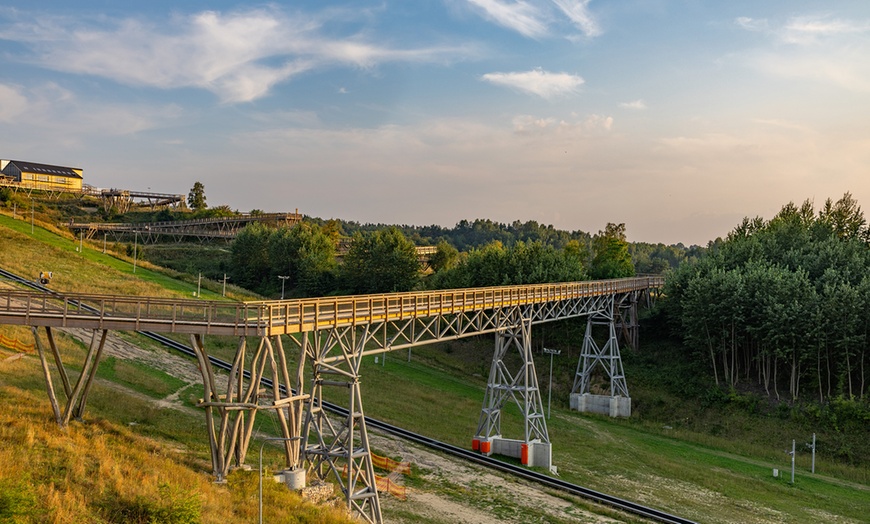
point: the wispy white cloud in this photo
(55, 113)
(578, 13)
(634, 104)
(808, 29)
(538, 82)
(523, 17)
(751, 24)
(240, 56)
(12, 103)
(538, 18)
(586, 126)
(821, 48)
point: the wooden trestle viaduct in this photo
(201, 229)
(332, 336)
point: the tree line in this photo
(782, 303)
(313, 260)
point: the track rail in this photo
(489, 462)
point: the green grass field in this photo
(89, 270)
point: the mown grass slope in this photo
(103, 471)
(89, 270)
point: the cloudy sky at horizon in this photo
(676, 117)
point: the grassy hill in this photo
(134, 462)
(101, 471)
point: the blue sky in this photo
(677, 117)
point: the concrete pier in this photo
(602, 404)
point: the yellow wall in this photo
(41, 181)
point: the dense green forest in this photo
(305, 259)
(782, 304)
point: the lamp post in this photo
(267, 439)
(31, 216)
(283, 280)
(224, 292)
(551, 352)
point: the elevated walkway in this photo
(200, 229)
(332, 335)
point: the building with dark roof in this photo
(42, 176)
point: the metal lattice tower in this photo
(520, 385)
(607, 356)
(342, 449)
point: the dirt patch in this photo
(498, 499)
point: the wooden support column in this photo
(76, 397)
(234, 390)
(89, 369)
(208, 399)
(58, 362)
(47, 372)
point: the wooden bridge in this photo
(332, 335)
(121, 199)
(202, 229)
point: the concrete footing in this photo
(293, 478)
(601, 404)
(532, 454)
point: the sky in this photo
(675, 117)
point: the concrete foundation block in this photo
(293, 478)
(601, 404)
(532, 454)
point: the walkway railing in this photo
(267, 318)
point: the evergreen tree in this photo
(196, 197)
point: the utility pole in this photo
(551, 352)
(31, 216)
(283, 280)
(814, 453)
(792, 461)
(224, 292)
(199, 285)
(135, 248)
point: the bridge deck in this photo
(267, 318)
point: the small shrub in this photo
(745, 402)
(177, 506)
(172, 506)
(713, 396)
(17, 502)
